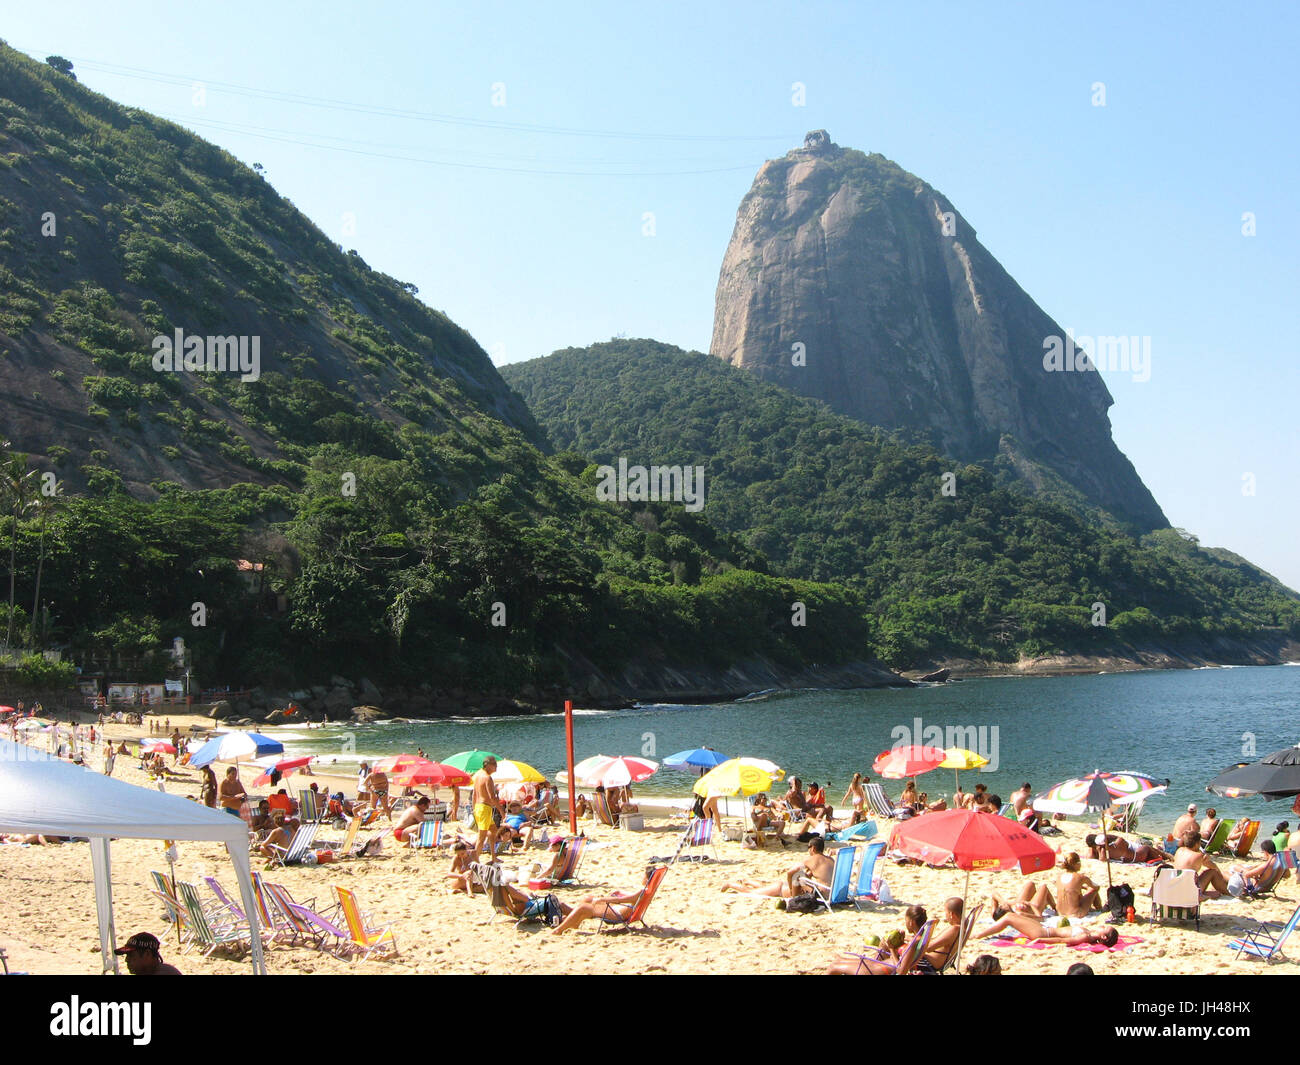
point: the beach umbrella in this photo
(958, 758)
(30, 723)
(235, 747)
(431, 774)
(613, 772)
(470, 761)
(1098, 792)
(513, 770)
(696, 758)
(734, 777)
(286, 766)
(770, 768)
(156, 746)
(908, 761)
(1275, 776)
(7, 710)
(972, 840)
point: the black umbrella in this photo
(1275, 776)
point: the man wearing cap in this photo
(143, 959)
(1187, 822)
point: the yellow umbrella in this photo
(511, 770)
(959, 758)
(733, 777)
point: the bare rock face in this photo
(852, 281)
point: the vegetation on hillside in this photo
(986, 570)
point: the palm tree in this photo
(16, 482)
(46, 502)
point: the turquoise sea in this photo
(1186, 725)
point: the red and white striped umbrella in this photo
(615, 772)
(904, 762)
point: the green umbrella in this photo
(470, 761)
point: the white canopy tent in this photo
(41, 795)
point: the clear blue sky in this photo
(524, 221)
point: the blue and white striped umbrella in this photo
(235, 747)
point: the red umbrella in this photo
(435, 774)
(154, 746)
(972, 840)
(908, 761)
(286, 767)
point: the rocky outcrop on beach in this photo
(852, 281)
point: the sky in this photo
(554, 175)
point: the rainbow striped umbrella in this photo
(1098, 791)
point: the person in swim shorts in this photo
(487, 807)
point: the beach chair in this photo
(863, 830)
(343, 849)
(269, 915)
(1272, 876)
(213, 934)
(227, 906)
(1247, 839)
(698, 835)
(1266, 939)
(366, 938)
(967, 926)
(879, 801)
(174, 907)
(841, 879)
(430, 836)
(571, 853)
(301, 843)
(907, 960)
(310, 808)
(306, 923)
(866, 872)
(1220, 836)
(600, 810)
(637, 914)
(1175, 896)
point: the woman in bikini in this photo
(856, 796)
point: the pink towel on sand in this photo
(1123, 943)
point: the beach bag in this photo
(801, 904)
(1118, 899)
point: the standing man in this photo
(487, 807)
(232, 794)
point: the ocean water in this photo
(1185, 725)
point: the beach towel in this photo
(1121, 944)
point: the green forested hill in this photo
(986, 570)
(389, 483)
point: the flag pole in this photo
(568, 738)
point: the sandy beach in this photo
(49, 925)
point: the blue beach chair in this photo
(841, 879)
(866, 871)
(1262, 941)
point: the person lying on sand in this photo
(1209, 879)
(887, 961)
(1033, 928)
(816, 865)
(1034, 900)
(1120, 849)
(407, 829)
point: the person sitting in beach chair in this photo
(1256, 879)
(1209, 879)
(1120, 849)
(816, 799)
(794, 801)
(261, 819)
(278, 836)
(815, 866)
(408, 825)
(617, 908)
(766, 819)
(1210, 825)
(515, 828)
(895, 957)
(1034, 928)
